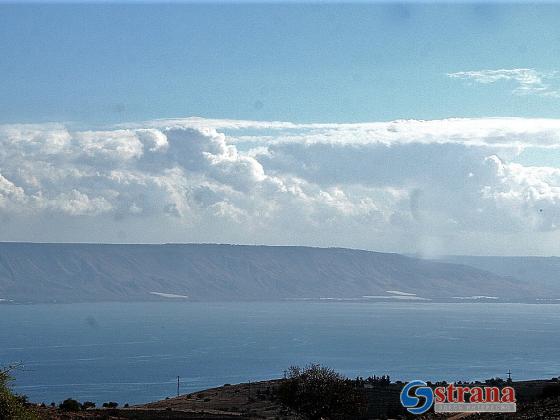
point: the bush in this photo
(110, 404)
(317, 392)
(12, 406)
(70, 405)
(87, 405)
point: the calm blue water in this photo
(133, 352)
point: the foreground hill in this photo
(537, 399)
(100, 272)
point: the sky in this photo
(417, 128)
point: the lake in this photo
(133, 352)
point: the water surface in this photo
(133, 352)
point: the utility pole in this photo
(509, 375)
(178, 386)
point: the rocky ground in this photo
(255, 400)
(242, 401)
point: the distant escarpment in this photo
(31, 272)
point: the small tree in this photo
(12, 406)
(70, 405)
(317, 392)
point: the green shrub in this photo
(70, 405)
(13, 407)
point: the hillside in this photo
(537, 399)
(99, 272)
(542, 273)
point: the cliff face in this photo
(99, 272)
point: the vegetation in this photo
(70, 404)
(373, 381)
(317, 392)
(551, 391)
(495, 382)
(12, 406)
(87, 405)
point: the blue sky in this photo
(418, 128)
(101, 64)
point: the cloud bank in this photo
(445, 186)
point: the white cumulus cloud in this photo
(401, 185)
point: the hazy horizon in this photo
(272, 245)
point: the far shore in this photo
(404, 300)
